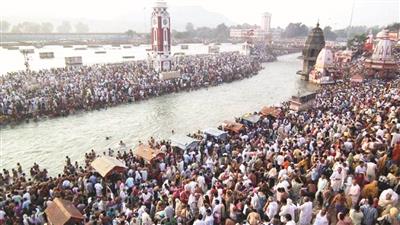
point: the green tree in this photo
(16, 29)
(81, 28)
(130, 33)
(4, 26)
(329, 34)
(295, 30)
(357, 41)
(393, 27)
(221, 32)
(64, 27)
(179, 35)
(189, 27)
(46, 27)
(26, 27)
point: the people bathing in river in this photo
(328, 165)
(62, 91)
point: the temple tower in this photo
(314, 44)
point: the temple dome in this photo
(316, 37)
(383, 34)
(383, 50)
(324, 59)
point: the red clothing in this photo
(396, 154)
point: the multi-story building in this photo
(260, 33)
(248, 33)
(266, 22)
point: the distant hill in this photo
(139, 20)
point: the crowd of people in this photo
(61, 91)
(336, 163)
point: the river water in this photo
(48, 142)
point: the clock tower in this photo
(161, 37)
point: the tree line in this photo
(219, 33)
(292, 30)
(300, 30)
(45, 27)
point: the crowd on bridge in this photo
(62, 91)
(337, 163)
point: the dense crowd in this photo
(337, 163)
(62, 91)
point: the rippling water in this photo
(49, 141)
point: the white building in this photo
(257, 34)
(266, 22)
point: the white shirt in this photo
(27, 196)
(146, 197)
(98, 188)
(199, 222)
(272, 209)
(321, 220)
(287, 209)
(209, 220)
(371, 168)
(280, 159)
(146, 220)
(354, 190)
(144, 174)
(291, 223)
(322, 184)
(395, 139)
(2, 215)
(306, 211)
(360, 169)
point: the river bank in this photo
(137, 84)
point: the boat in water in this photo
(94, 46)
(46, 55)
(12, 47)
(27, 51)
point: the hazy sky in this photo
(330, 12)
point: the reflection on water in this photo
(48, 142)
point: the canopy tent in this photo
(232, 126)
(270, 111)
(106, 165)
(60, 212)
(252, 118)
(147, 153)
(184, 142)
(219, 134)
